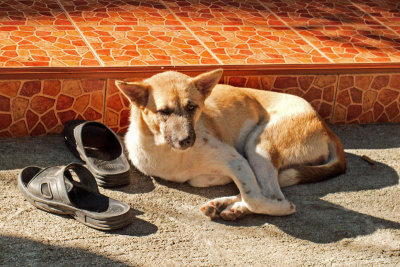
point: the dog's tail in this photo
(335, 165)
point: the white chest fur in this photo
(161, 160)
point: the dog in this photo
(192, 129)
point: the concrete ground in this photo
(351, 220)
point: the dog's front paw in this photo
(212, 209)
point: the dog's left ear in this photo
(136, 92)
(205, 82)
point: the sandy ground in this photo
(351, 220)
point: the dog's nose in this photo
(186, 142)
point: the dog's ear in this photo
(205, 82)
(136, 92)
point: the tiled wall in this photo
(37, 107)
(368, 99)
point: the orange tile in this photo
(44, 46)
(355, 44)
(37, 13)
(222, 13)
(319, 12)
(152, 45)
(255, 45)
(385, 11)
(102, 13)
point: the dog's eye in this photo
(165, 111)
(191, 107)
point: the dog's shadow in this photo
(322, 221)
(319, 220)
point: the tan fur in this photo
(260, 140)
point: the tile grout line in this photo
(335, 99)
(105, 101)
(81, 34)
(375, 19)
(192, 33)
(295, 31)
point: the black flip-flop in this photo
(100, 148)
(56, 190)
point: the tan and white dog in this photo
(185, 129)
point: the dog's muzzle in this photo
(186, 142)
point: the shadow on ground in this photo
(375, 136)
(51, 151)
(318, 220)
(15, 251)
(47, 151)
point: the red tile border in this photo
(229, 70)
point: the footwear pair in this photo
(73, 189)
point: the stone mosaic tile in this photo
(117, 108)
(348, 44)
(142, 45)
(32, 12)
(368, 99)
(257, 45)
(37, 107)
(319, 90)
(221, 13)
(43, 46)
(318, 12)
(385, 11)
(120, 12)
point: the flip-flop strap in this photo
(55, 183)
(79, 129)
(69, 130)
(49, 184)
(86, 178)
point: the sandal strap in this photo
(55, 183)
(86, 178)
(77, 132)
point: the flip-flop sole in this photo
(95, 220)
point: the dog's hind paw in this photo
(234, 211)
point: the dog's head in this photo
(171, 104)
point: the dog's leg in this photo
(237, 167)
(257, 152)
